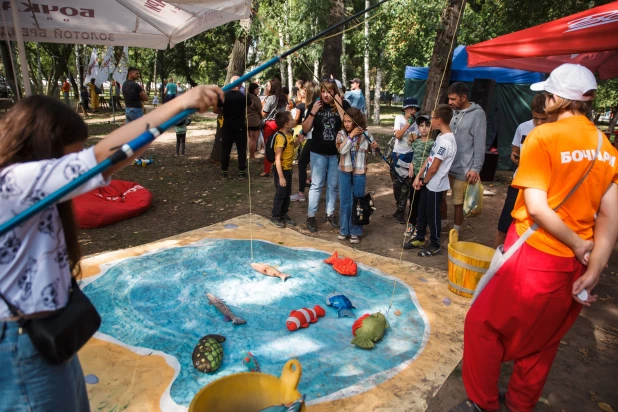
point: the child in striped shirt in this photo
(352, 146)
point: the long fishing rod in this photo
(128, 149)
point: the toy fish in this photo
(250, 362)
(368, 329)
(269, 271)
(301, 318)
(208, 354)
(222, 307)
(343, 266)
(341, 303)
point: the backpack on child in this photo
(269, 149)
(362, 209)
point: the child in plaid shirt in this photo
(352, 146)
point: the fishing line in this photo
(248, 159)
(449, 58)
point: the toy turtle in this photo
(208, 353)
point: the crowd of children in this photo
(338, 157)
(337, 148)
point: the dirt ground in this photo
(188, 193)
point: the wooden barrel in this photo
(467, 263)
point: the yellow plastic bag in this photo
(473, 200)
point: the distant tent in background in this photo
(120, 74)
(93, 66)
(106, 67)
(510, 105)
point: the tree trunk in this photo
(36, 87)
(185, 65)
(378, 91)
(238, 57)
(282, 67)
(331, 54)
(440, 65)
(39, 82)
(77, 83)
(11, 81)
(154, 77)
(236, 67)
(344, 61)
(60, 66)
(161, 73)
(316, 68)
(286, 14)
(366, 60)
(74, 85)
(612, 124)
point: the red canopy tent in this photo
(589, 38)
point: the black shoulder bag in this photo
(362, 207)
(59, 336)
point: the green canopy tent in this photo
(509, 107)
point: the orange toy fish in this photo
(301, 318)
(343, 266)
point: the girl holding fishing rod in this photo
(42, 148)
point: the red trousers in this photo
(270, 128)
(520, 316)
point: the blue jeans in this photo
(347, 191)
(323, 167)
(133, 113)
(31, 384)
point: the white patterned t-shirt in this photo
(34, 268)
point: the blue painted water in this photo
(158, 301)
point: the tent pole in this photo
(22, 50)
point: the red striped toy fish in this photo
(301, 318)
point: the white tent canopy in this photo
(138, 23)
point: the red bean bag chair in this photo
(110, 204)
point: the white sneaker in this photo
(354, 239)
(342, 237)
(297, 197)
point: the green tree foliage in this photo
(402, 32)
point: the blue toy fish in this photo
(250, 362)
(341, 303)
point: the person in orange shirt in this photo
(536, 295)
(66, 88)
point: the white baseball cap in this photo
(569, 81)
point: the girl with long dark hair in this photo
(42, 148)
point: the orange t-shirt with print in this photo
(553, 159)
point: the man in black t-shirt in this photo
(234, 111)
(133, 95)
